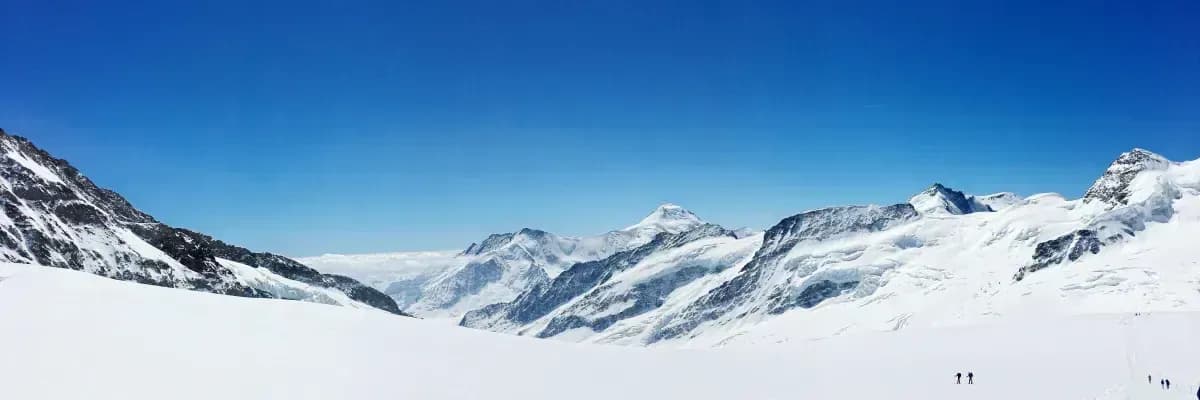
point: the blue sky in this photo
(306, 128)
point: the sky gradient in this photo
(309, 127)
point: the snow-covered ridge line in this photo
(910, 263)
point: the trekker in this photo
(970, 378)
(1168, 384)
(958, 378)
(1163, 383)
(1148, 379)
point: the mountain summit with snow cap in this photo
(939, 199)
(1113, 186)
(668, 217)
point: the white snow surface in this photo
(71, 335)
(999, 201)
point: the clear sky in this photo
(306, 128)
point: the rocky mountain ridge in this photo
(53, 215)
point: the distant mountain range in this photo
(941, 258)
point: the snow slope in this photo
(70, 335)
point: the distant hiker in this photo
(1148, 379)
(958, 378)
(970, 378)
(1163, 383)
(1168, 384)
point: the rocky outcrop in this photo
(1113, 186)
(58, 217)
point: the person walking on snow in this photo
(958, 378)
(1148, 379)
(1168, 384)
(1162, 383)
(970, 378)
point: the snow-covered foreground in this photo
(69, 335)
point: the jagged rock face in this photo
(55, 216)
(778, 242)
(829, 222)
(584, 277)
(1068, 247)
(1113, 186)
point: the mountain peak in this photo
(668, 217)
(1113, 186)
(939, 199)
(1139, 159)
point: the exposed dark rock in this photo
(1113, 186)
(812, 295)
(79, 214)
(84, 208)
(1067, 247)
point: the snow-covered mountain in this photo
(943, 258)
(53, 215)
(939, 199)
(498, 268)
